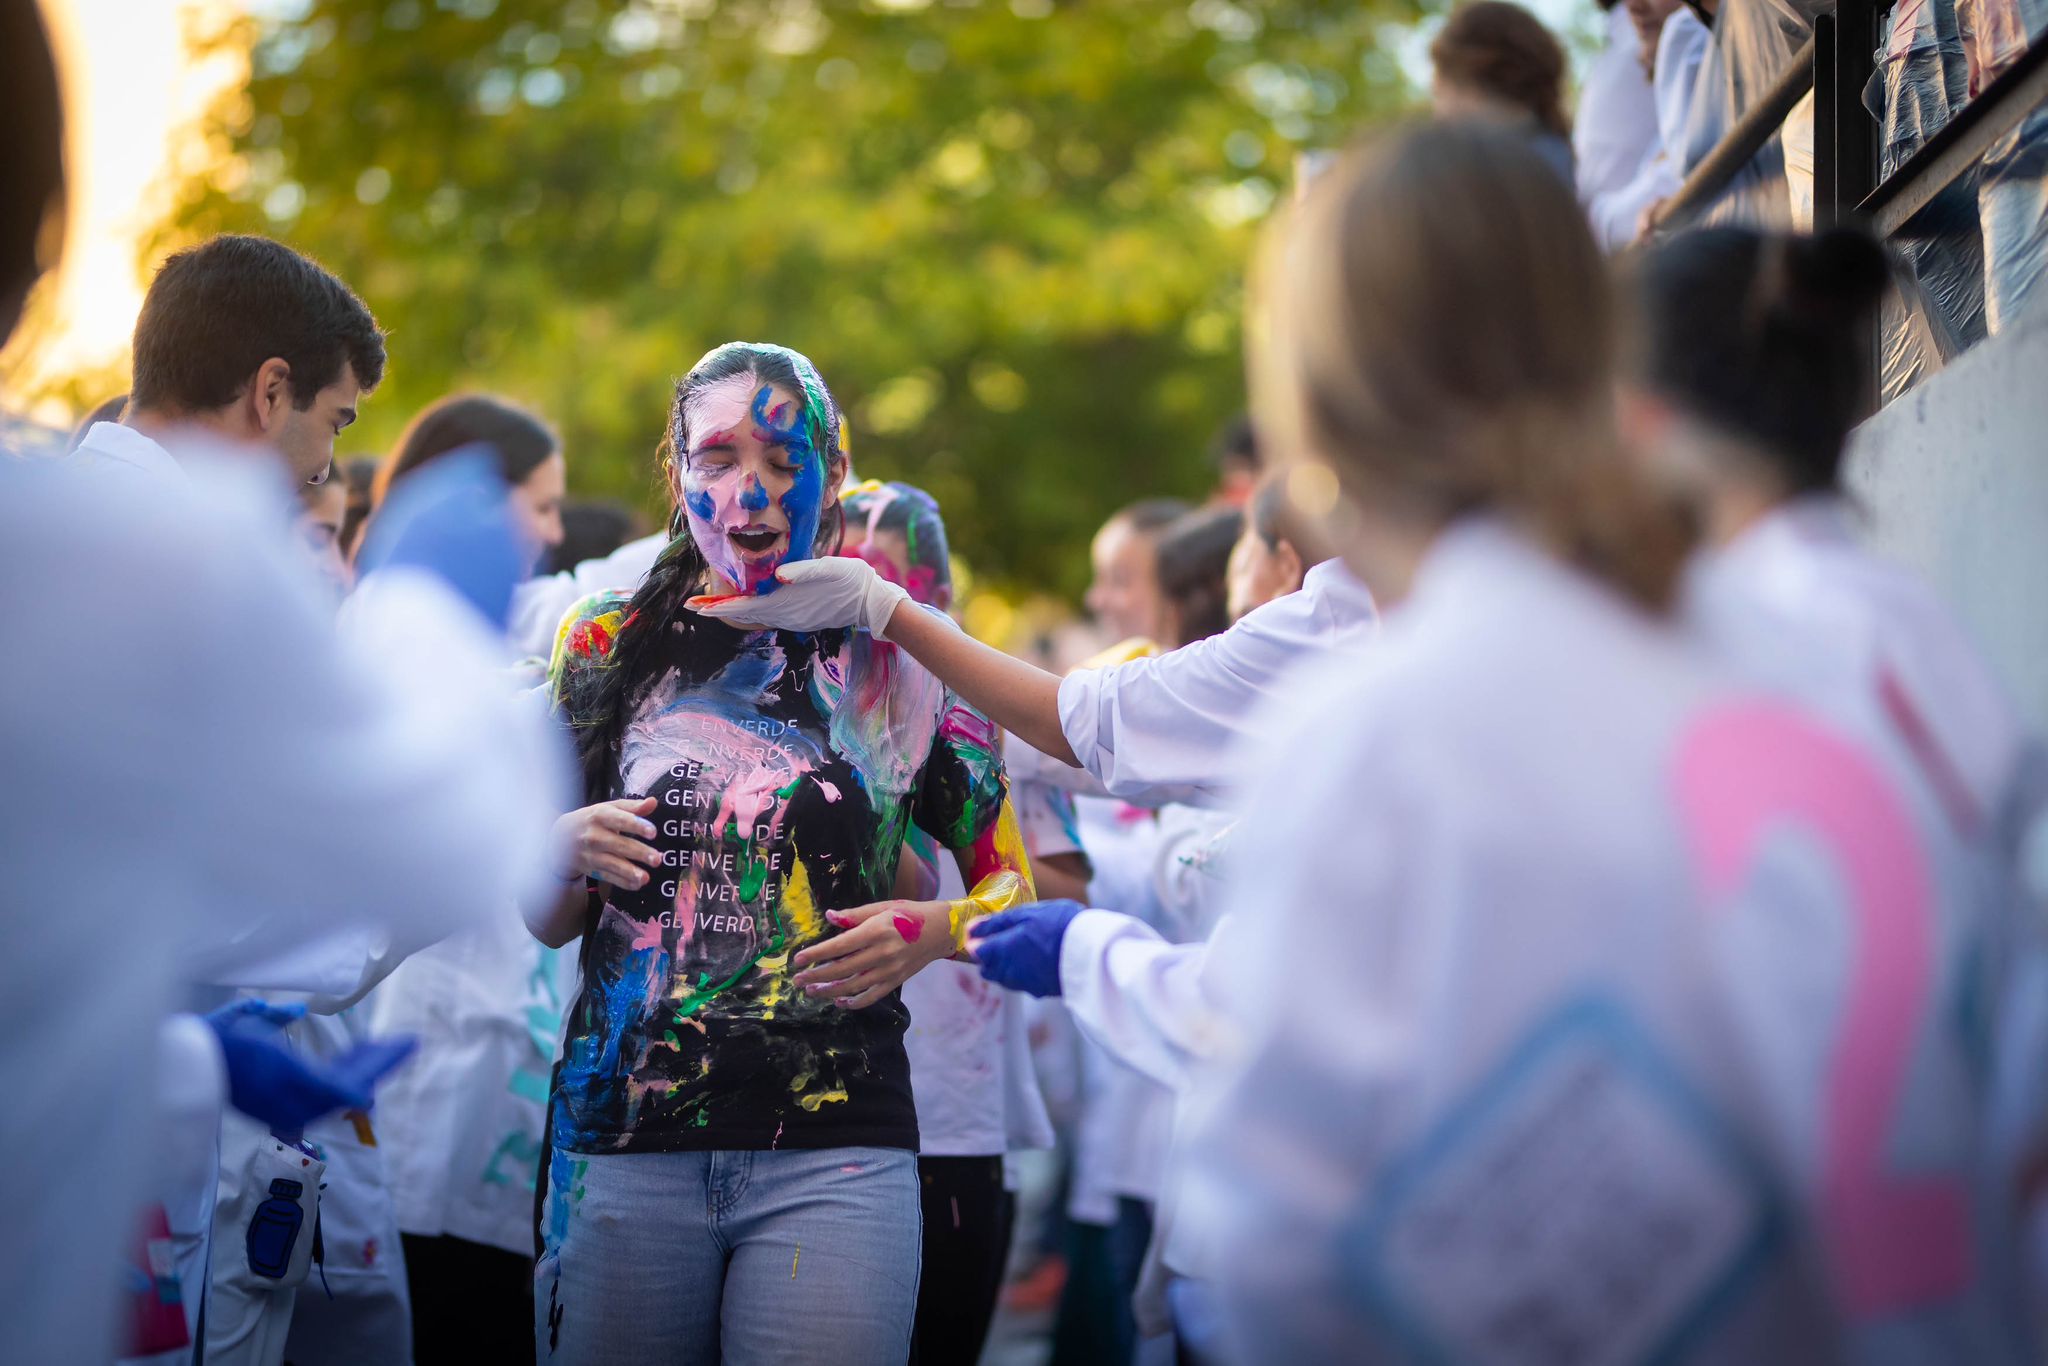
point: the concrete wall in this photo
(1955, 478)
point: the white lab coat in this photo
(1615, 127)
(353, 1305)
(1512, 1071)
(1155, 730)
(539, 604)
(202, 771)
(1800, 604)
(1796, 604)
(462, 1126)
(1127, 1113)
(356, 1306)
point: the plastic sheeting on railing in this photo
(2012, 181)
(1753, 42)
(1921, 80)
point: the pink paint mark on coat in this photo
(1745, 773)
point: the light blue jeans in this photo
(734, 1257)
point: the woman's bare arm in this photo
(1021, 698)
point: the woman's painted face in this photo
(753, 481)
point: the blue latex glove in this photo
(1020, 948)
(453, 518)
(270, 1083)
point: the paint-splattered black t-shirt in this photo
(786, 768)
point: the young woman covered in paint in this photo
(529, 453)
(733, 1175)
(970, 1061)
(1617, 1004)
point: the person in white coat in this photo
(1749, 370)
(217, 776)
(1744, 383)
(1617, 1023)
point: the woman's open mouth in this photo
(755, 540)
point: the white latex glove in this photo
(814, 595)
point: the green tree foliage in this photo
(1012, 235)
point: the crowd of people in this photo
(1508, 877)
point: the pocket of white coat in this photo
(268, 1211)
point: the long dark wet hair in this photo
(617, 686)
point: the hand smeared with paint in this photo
(1020, 949)
(270, 1083)
(815, 595)
(880, 947)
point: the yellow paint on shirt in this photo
(818, 1098)
(799, 912)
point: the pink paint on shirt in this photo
(1899, 1239)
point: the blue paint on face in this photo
(805, 499)
(752, 496)
(702, 505)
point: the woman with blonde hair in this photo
(1594, 1005)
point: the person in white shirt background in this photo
(1748, 370)
(1123, 595)
(1745, 377)
(1614, 128)
(1496, 62)
(1674, 41)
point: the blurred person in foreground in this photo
(210, 843)
(1496, 62)
(1745, 379)
(1659, 1124)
